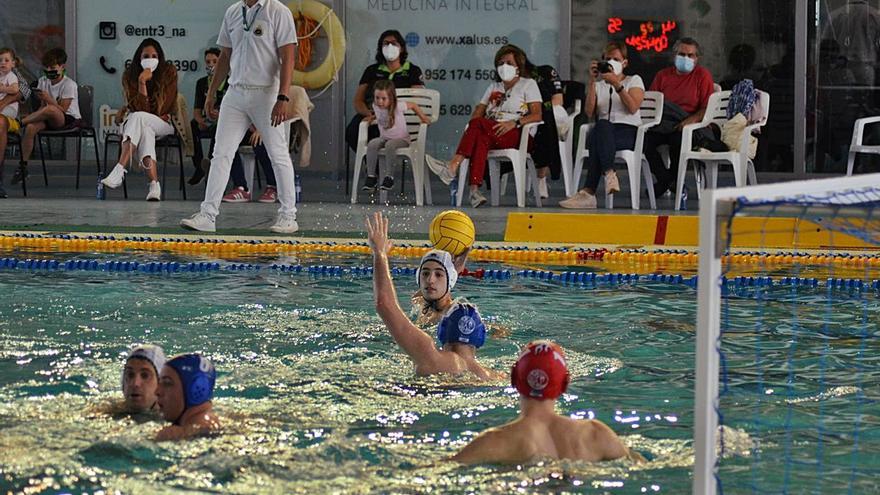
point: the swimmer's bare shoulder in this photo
(599, 439)
(204, 425)
(506, 444)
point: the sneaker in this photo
(387, 183)
(237, 195)
(3, 194)
(370, 184)
(270, 195)
(477, 199)
(20, 174)
(155, 193)
(285, 224)
(612, 185)
(200, 222)
(115, 177)
(543, 189)
(582, 200)
(440, 169)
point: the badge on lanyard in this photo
(244, 20)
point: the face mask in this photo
(51, 74)
(616, 66)
(684, 64)
(391, 52)
(150, 63)
(506, 72)
(209, 71)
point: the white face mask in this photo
(150, 63)
(391, 52)
(616, 66)
(506, 72)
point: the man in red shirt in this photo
(687, 86)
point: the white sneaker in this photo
(155, 193)
(477, 199)
(115, 177)
(543, 189)
(440, 169)
(285, 224)
(581, 200)
(200, 222)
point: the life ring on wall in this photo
(326, 72)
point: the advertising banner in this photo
(454, 43)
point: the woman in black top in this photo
(546, 151)
(392, 65)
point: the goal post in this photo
(828, 202)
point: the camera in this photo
(604, 67)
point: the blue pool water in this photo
(316, 398)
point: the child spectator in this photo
(9, 96)
(59, 106)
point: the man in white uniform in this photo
(257, 49)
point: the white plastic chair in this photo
(429, 101)
(522, 163)
(743, 168)
(636, 163)
(856, 146)
(566, 146)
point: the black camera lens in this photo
(604, 67)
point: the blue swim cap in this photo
(462, 325)
(197, 375)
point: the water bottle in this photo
(100, 194)
(453, 191)
(297, 187)
(684, 197)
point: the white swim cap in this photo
(445, 260)
(152, 353)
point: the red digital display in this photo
(649, 37)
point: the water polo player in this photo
(140, 378)
(186, 387)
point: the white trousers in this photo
(240, 108)
(143, 128)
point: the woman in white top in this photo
(614, 99)
(507, 105)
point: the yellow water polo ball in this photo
(452, 231)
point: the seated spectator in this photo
(391, 65)
(496, 123)
(541, 376)
(59, 106)
(240, 192)
(686, 87)
(613, 100)
(393, 134)
(205, 126)
(150, 88)
(9, 98)
(186, 387)
(546, 152)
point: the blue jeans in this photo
(605, 139)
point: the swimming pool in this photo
(317, 398)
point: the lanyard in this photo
(244, 20)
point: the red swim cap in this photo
(540, 371)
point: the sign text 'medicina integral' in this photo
(459, 5)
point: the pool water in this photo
(316, 398)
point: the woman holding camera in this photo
(614, 100)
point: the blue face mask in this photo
(684, 64)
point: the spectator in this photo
(59, 106)
(614, 99)
(150, 88)
(686, 87)
(741, 63)
(546, 152)
(8, 103)
(240, 192)
(507, 105)
(393, 135)
(204, 126)
(391, 65)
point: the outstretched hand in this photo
(377, 233)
